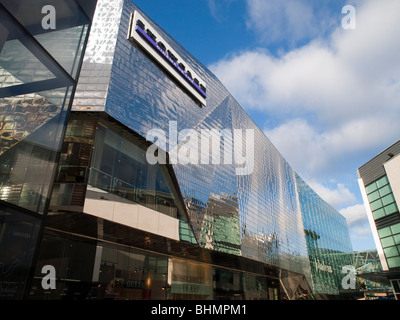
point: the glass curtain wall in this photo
(120, 167)
(383, 206)
(381, 198)
(92, 270)
(99, 157)
(39, 63)
(37, 77)
(328, 241)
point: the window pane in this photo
(382, 182)
(388, 199)
(71, 27)
(373, 196)
(384, 232)
(120, 167)
(371, 188)
(19, 235)
(385, 190)
(376, 205)
(391, 208)
(28, 150)
(378, 213)
(391, 252)
(396, 286)
(393, 262)
(19, 66)
(386, 242)
(395, 228)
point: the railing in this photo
(149, 198)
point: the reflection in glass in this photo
(18, 235)
(328, 240)
(120, 167)
(18, 65)
(190, 280)
(30, 139)
(71, 27)
(100, 271)
(37, 74)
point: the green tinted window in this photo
(376, 205)
(378, 213)
(391, 252)
(388, 199)
(387, 242)
(373, 196)
(391, 208)
(393, 262)
(382, 182)
(370, 188)
(385, 190)
(381, 198)
(395, 228)
(384, 232)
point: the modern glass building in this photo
(379, 181)
(328, 241)
(41, 50)
(164, 188)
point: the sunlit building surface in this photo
(379, 181)
(328, 241)
(120, 226)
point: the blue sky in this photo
(327, 97)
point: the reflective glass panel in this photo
(37, 69)
(18, 235)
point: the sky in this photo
(326, 95)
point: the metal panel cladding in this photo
(328, 240)
(255, 215)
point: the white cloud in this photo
(355, 215)
(303, 147)
(359, 227)
(312, 151)
(337, 196)
(338, 97)
(293, 20)
(218, 7)
(355, 72)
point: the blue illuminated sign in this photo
(172, 61)
(154, 44)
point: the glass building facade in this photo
(328, 241)
(383, 204)
(119, 226)
(38, 74)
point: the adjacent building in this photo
(368, 262)
(156, 185)
(379, 181)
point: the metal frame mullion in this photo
(63, 78)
